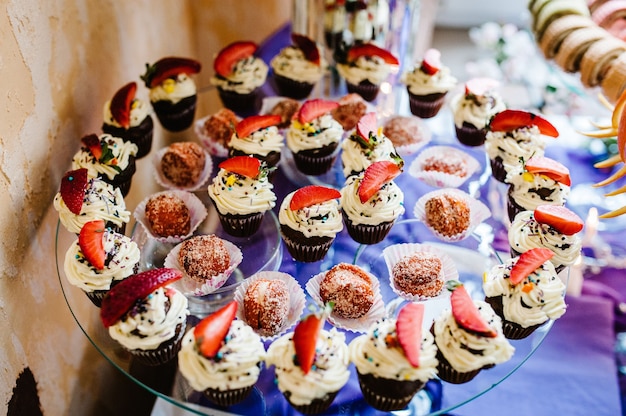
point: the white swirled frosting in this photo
(291, 63)
(173, 90)
(533, 301)
(328, 374)
(386, 205)
(237, 194)
(319, 220)
(419, 82)
(261, 142)
(476, 109)
(121, 256)
(139, 110)
(321, 131)
(467, 351)
(372, 354)
(356, 158)
(122, 151)
(236, 365)
(365, 68)
(530, 190)
(514, 146)
(247, 75)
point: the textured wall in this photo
(60, 60)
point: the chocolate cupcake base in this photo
(227, 397)
(497, 169)
(165, 352)
(176, 116)
(291, 88)
(386, 394)
(123, 180)
(367, 234)
(365, 89)
(470, 135)
(510, 329)
(426, 106)
(241, 225)
(303, 248)
(140, 135)
(317, 161)
(316, 406)
(242, 104)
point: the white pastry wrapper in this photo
(410, 148)
(297, 299)
(197, 214)
(211, 145)
(376, 312)
(394, 253)
(166, 183)
(442, 179)
(270, 102)
(190, 287)
(477, 210)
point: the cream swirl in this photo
(335, 17)
(319, 220)
(328, 374)
(121, 257)
(173, 90)
(467, 351)
(476, 110)
(534, 300)
(152, 321)
(291, 63)
(530, 190)
(514, 146)
(526, 233)
(321, 131)
(139, 110)
(101, 202)
(419, 82)
(365, 68)
(238, 194)
(121, 152)
(236, 365)
(261, 142)
(384, 206)
(372, 354)
(247, 75)
(356, 158)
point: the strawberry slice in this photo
(121, 104)
(73, 186)
(509, 120)
(249, 125)
(369, 49)
(560, 218)
(375, 176)
(431, 63)
(211, 331)
(312, 109)
(409, 331)
(305, 339)
(247, 166)
(231, 54)
(528, 262)
(480, 86)
(366, 125)
(466, 313)
(91, 244)
(123, 295)
(549, 167)
(308, 47)
(169, 67)
(92, 142)
(311, 195)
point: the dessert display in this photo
(215, 130)
(128, 117)
(258, 136)
(408, 134)
(173, 93)
(443, 166)
(183, 165)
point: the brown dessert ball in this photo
(203, 257)
(285, 109)
(446, 163)
(266, 305)
(419, 274)
(351, 108)
(349, 288)
(404, 130)
(183, 163)
(447, 214)
(221, 126)
(168, 215)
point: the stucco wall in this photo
(60, 60)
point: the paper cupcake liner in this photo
(382, 394)
(315, 165)
(297, 299)
(140, 135)
(393, 254)
(470, 135)
(214, 148)
(291, 88)
(365, 89)
(163, 353)
(316, 406)
(376, 312)
(190, 287)
(227, 397)
(426, 106)
(96, 296)
(478, 212)
(197, 214)
(306, 253)
(178, 116)
(164, 182)
(442, 179)
(242, 104)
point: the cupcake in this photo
(395, 359)
(364, 67)
(549, 226)
(443, 166)
(239, 76)
(371, 202)
(539, 181)
(242, 193)
(81, 200)
(146, 315)
(473, 109)
(350, 110)
(173, 93)
(221, 357)
(366, 145)
(309, 221)
(298, 67)
(525, 292)
(258, 136)
(183, 166)
(313, 137)
(214, 131)
(428, 84)
(311, 364)
(469, 338)
(99, 259)
(128, 117)
(109, 158)
(335, 20)
(515, 136)
(407, 134)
